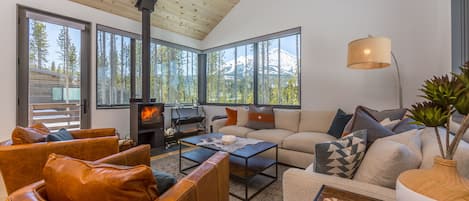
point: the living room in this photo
(211, 56)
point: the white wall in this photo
(420, 31)
(100, 118)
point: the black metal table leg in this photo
(180, 157)
(276, 162)
(246, 182)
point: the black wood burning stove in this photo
(147, 123)
(146, 116)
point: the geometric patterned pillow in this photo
(342, 157)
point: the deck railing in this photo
(56, 115)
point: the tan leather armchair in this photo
(21, 165)
(209, 182)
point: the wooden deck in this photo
(56, 115)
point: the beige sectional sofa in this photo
(296, 132)
(303, 185)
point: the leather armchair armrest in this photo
(33, 192)
(139, 155)
(210, 181)
(93, 133)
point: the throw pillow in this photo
(261, 117)
(61, 135)
(164, 181)
(342, 157)
(338, 124)
(379, 116)
(22, 135)
(409, 138)
(69, 179)
(364, 121)
(41, 128)
(406, 125)
(384, 161)
(389, 124)
(287, 119)
(393, 114)
(242, 118)
(232, 117)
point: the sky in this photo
(53, 31)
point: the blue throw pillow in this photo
(164, 181)
(338, 124)
(61, 135)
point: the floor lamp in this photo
(373, 53)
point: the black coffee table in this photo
(245, 164)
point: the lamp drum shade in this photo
(369, 53)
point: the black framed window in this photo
(174, 70)
(264, 70)
(113, 67)
(53, 70)
(174, 73)
(230, 75)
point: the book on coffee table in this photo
(328, 193)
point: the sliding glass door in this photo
(53, 71)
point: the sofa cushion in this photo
(384, 161)
(455, 127)
(305, 141)
(316, 121)
(235, 130)
(242, 116)
(341, 157)
(287, 119)
(69, 179)
(338, 124)
(232, 117)
(270, 135)
(261, 117)
(23, 135)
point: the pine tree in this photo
(68, 54)
(53, 67)
(38, 44)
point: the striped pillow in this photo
(261, 117)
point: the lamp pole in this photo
(401, 105)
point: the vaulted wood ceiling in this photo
(193, 18)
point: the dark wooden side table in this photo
(125, 145)
(328, 193)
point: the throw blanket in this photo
(238, 144)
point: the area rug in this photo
(170, 165)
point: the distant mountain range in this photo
(288, 63)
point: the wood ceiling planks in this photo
(193, 18)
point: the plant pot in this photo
(442, 182)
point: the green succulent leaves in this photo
(429, 114)
(444, 94)
(462, 104)
(443, 90)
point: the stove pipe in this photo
(146, 7)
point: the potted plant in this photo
(444, 95)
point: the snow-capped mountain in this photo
(288, 63)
